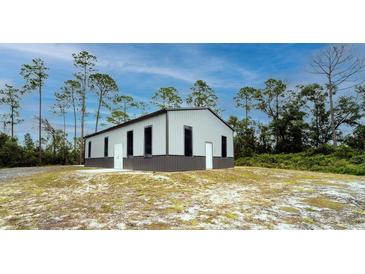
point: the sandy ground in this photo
(239, 198)
(10, 173)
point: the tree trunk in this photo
(75, 135)
(54, 149)
(82, 135)
(276, 121)
(83, 110)
(125, 113)
(246, 108)
(12, 122)
(74, 109)
(333, 126)
(40, 121)
(97, 113)
(318, 134)
(64, 137)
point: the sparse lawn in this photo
(239, 198)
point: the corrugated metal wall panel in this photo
(107, 162)
(161, 163)
(219, 162)
(119, 136)
(165, 163)
(206, 128)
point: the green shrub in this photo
(358, 159)
(342, 160)
(344, 152)
(323, 149)
(11, 154)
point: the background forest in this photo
(313, 127)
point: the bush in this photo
(342, 160)
(358, 159)
(11, 154)
(323, 149)
(344, 152)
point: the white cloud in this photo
(192, 64)
(159, 70)
(187, 64)
(57, 51)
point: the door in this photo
(208, 155)
(118, 156)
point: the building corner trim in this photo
(167, 133)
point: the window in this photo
(106, 143)
(148, 141)
(130, 143)
(188, 141)
(89, 150)
(224, 146)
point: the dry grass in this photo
(239, 198)
(325, 203)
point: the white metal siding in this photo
(119, 136)
(206, 128)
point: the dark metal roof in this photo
(153, 114)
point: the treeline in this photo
(53, 145)
(298, 119)
(317, 127)
(299, 135)
(307, 116)
(305, 119)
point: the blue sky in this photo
(141, 69)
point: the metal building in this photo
(165, 140)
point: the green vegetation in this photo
(308, 220)
(303, 128)
(304, 124)
(57, 151)
(231, 215)
(167, 97)
(54, 146)
(290, 209)
(35, 75)
(103, 85)
(202, 95)
(325, 203)
(120, 109)
(341, 160)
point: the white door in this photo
(208, 155)
(118, 156)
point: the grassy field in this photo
(239, 198)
